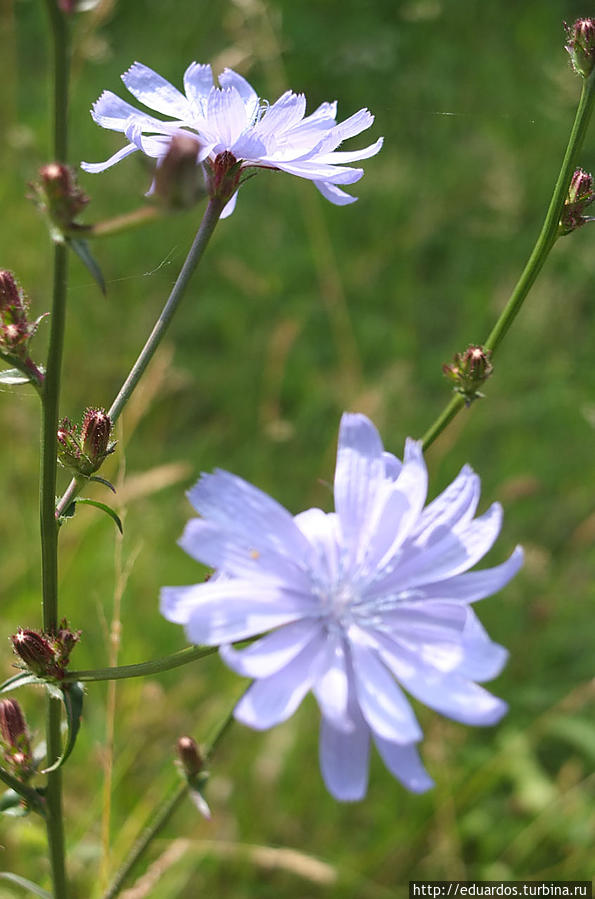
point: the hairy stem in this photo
(195, 254)
(543, 245)
(50, 403)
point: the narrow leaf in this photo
(23, 679)
(81, 248)
(106, 483)
(26, 884)
(13, 376)
(104, 508)
(72, 697)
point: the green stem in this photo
(195, 254)
(543, 245)
(50, 403)
(160, 818)
(142, 669)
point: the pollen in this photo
(254, 554)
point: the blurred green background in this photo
(299, 311)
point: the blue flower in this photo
(233, 119)
(360, 603)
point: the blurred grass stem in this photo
(50, 403)
(162, 815)
(543, 245)
(195, 254)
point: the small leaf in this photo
(104, 508)
(26, 884)
(81, 248)
(23, 679)
(106, 483)
(13, 376)
(11, 803)
(72, 697)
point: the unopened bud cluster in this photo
(83, 453)
(468, 372)
(580, 196)
(46, 654)
(16, 330)
(179, 181)
(58, 196)
(15, 740)
(581, 46)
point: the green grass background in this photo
(299, 311)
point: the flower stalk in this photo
(195, 254)
(548, 235)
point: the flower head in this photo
(360, 603)
(233, 119)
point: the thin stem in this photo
(142, 669)
(50, 403)
(195, 254)
(160, 818)
(543, 245)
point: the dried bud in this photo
(35, 650)
(581, 46)
(190, 757)
(224, 176)
(64, 642)
(468, 372)
(180, 179)
(59, 197)
(15, 738)
(580, 195)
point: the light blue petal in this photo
(359, 475)
(155, 92)
(95, 167)
(198, 81)
(273, 652)
(382, 704)
(333, 194)
(344, 760)
(405, 764)
(474, 585)
(274, 699)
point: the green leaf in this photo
(23, 679)
(81, 248)
(106, 483)
(104, 508)
(72, 697)
(13, 376)
(11, 803)
(26, 884)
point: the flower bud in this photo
(46, 654)
(580, 195)
(16, 330)
(95, 435)
(15, 738)
(190, 757)
(35, 650)
(468, 372)
(83, 454)
(180, 179)
(581, 46)
(59, 197)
